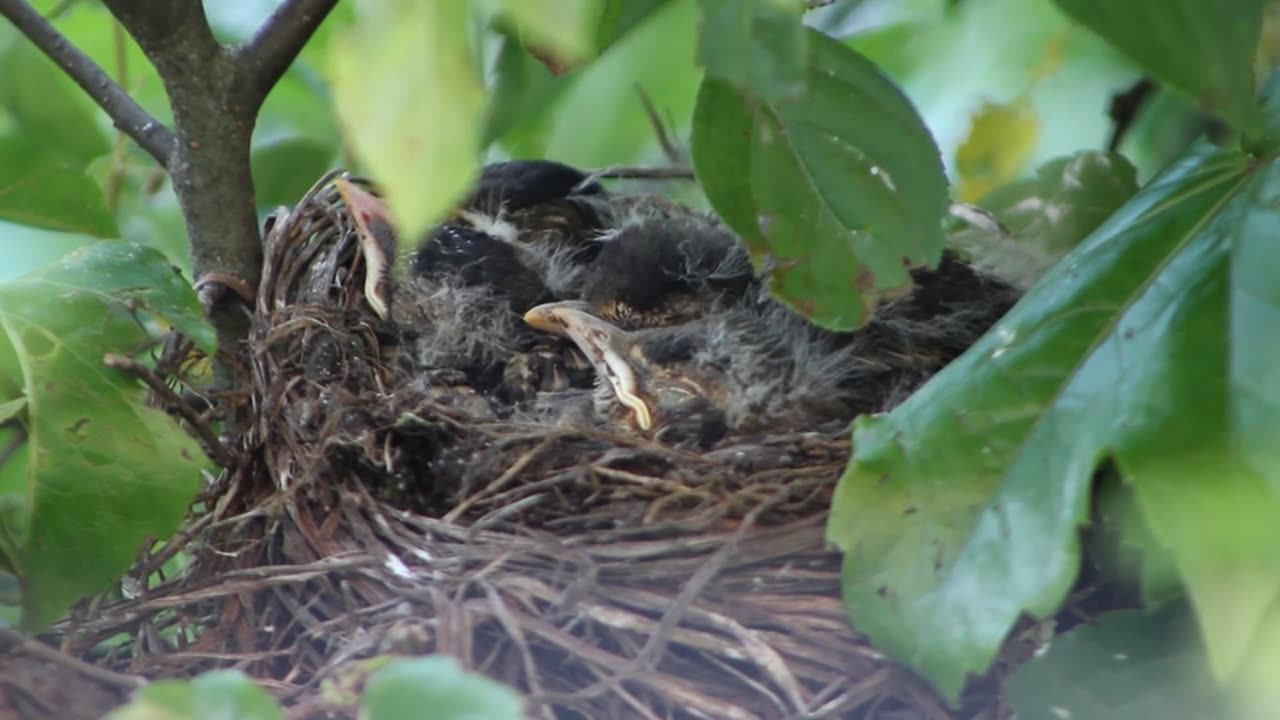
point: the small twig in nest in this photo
(646, 660)
(44, 652)
(217, 451)
(174, 545)
(514, 469)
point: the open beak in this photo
(376, 237)
(603, 344)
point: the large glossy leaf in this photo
(102, 471)
(1126, 665)
(401, 690)
(843, 191)
(1205, 49)
(45, 193)
(1154, 343)
(758, 46)
(409, 96)
(217, 695)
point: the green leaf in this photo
(523, 92)
(104, 471)
(284, 169)
(216, 695)
(1205, 49)
(1154, 343)
(10, 409)
(1125, 665)
(758, 46)
(1049, 214)
(410, 98)
(523, 88)
(401, 690)
(49, 110)
(39, 194)
(843, 190)
(598, 120)
(566, 29)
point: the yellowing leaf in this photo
(409, 99)
(564, 29)
(1001, 142)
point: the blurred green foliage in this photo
(833, 151)
(396, 689)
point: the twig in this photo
(150, 134)
(669, 147)
(119, 166)
(622, 172)
(266, 56)
(44, 652)
(625, 172)
(217, 451)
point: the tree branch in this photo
(175, 36)
(211, 174)
(150, 134)
(215, 93)
(266, 56)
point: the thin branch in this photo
(38, 649)
(150, 134)
(266, 56)
(627, 172)
(212, 445)
(167, 29)
(669, 147)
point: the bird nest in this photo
(370, 510)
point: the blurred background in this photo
(1003, 84)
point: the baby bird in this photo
(520, 239)
(523, 218)
(662, 268)
(748, 363)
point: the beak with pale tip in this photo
(376, 238)
(606, 347)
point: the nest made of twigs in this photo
(606, 576)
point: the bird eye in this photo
(687, 416)
(674, 395)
